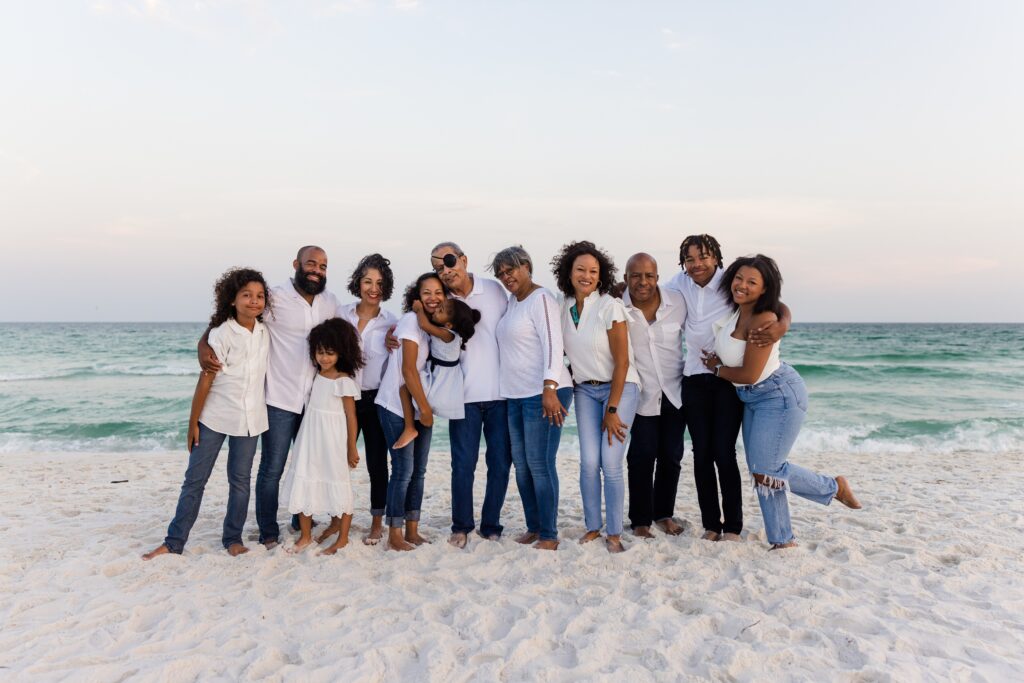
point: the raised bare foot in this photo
(300, 545)
(590, 536)
(710, 535)
(614, 544)
(236, 549)
(332, 528)
(458, 539)
(405, 438)
(643, 532)
(845, 494)
(782, 546)
(729, 536)
(546, 545)
(671, 527)
(156, 552)
(527, 538)
(335, 547)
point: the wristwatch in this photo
(612, 410)
(717, 368)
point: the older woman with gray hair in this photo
(538, 389)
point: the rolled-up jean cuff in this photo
(174, 551)
(376, 512)
(412, 515)
(395, 521)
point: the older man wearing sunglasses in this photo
(485, 409)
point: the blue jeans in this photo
(408, 469)
(490, 417)
(534, 447)
(276, 441)
(597, 457)
(773, 412)
(241, 450)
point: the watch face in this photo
(612, 409)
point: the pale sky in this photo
(875, 149)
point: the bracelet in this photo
(717, 368)
(551, 385)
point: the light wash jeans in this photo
(534, 447)
(408, 469)
(597, 457)
(773, 411)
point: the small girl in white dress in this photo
(317, 479)
(450, 327)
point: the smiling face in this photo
(326, 358)
(747, 286)
(455, 276)
(311, 271)
(443, 313)
(249, 302)
(584, 275)
(517, 279)
(431, 295)
(700, 265)
(371, 287)
(641, 279)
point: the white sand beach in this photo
(923, 584)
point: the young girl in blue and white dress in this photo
(229, 404)
(450, 327)
(317, 480)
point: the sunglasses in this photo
(447, 261)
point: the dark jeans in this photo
(408, 469)
(713, 415)
(376, 448)
(241, 450)
(490, 417)
(276, 441)
(655, 452)
(534, 448)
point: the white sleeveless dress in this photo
(445, 392)
(317, 479)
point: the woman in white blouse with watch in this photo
(607, 385)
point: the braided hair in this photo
(704, 243)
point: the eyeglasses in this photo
(447, 261)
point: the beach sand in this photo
(924, 583)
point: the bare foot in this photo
(710, 536)
(332, 528)
(590, 536)
(458, 539)
(488, 537)
(671, 527)
(643, 532)
(415, 538)
(614, 544)
(376, 532)
(270, 545)
(396, 542)
(546, 545)
(338, 545)
(845, 494)
(405, 438)
(729, 536)
(156, 552)
(782, 546)
(236, 549)
(300, 545)
(527, 538)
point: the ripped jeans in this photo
(773, 411)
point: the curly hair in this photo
(706, 244)
(464, 319)
(227, 288)
(561, 266)
(337, 335)
(378, 263)
(772, 295)
(412, 292)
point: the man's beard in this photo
(308, 286)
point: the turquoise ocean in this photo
(875, 388)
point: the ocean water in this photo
(875, 388)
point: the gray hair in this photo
(511, 257)
(450, 245)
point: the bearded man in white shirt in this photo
(485, 409)
(657, 316)
(300, 304)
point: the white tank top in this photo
(730, 350)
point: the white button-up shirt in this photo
(587, 345)
(530, 342)
(290, 371)
(658, 350)
(235, 405)
(704, 305)
(480, 359)
(371, 341)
